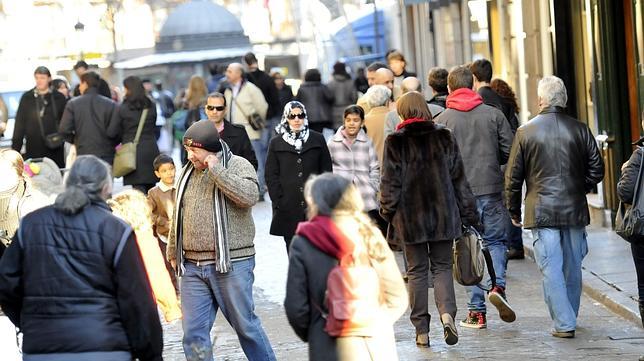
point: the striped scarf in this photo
(220, 218)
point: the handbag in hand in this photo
(255, 120)
(125, 159)
(629, 221)
(471, 259)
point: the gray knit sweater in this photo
(238, 182)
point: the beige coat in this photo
(375, 124)
(249, 100)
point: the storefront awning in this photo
(181, 57)
(433, 4)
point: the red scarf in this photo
(322, 232)
(409, 121)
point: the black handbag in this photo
(629, 221)
(52, 140)
(254, 120)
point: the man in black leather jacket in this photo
(558, 158)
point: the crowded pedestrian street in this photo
(603, 335)
(321, 180)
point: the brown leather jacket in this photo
(162, 204)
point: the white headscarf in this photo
(296, 139)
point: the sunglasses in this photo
(218, 108)
(293, 116)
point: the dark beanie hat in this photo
(204, 135)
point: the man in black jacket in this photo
(38, 115)
(558, 159)
(234, 135)
(81, 67)
(87, 118)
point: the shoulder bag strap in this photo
(639, 180)
(239, 107)
(144, 115)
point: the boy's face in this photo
(166, 173)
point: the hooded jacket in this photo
(483, 136)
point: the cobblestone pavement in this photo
(601, 335)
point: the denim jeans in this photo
(203, 292)
(494, 217)
(559, 252)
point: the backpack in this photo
(353, 298)
(471, 258)
(178, 120)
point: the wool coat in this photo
(122, 128)
(286, 172)
(345, 95)
(248, 101)
(424, 193)
(306, 285)
(358, 163)
(85, 123)
(318, 100)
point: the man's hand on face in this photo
(211, 160)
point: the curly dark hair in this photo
(505, 91)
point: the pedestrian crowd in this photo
(356, 170)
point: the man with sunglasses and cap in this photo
(211, 245)
(234, 135)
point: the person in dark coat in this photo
(625, 192)
(73, 279)
(318, 99)
(234, 135)
(482, 71)
(425, 195)
(284, 91)
(338, 228)
(81, 67)
(123, 128)
(87, 118)
(38, 115)
(557, 158)
(437, 80)
(344, 93)
(293, 155)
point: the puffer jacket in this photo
(557, 157)
(76, 284)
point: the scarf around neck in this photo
(295, 139)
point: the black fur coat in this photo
(424, 192)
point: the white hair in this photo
(552, 92)
(378, 95)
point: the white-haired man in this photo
(557, 157)
(378, 97)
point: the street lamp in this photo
(80, 27)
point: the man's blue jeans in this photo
(559, 252)
(494, 217)
(204, 291)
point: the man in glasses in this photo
(233, 134)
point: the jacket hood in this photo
(463, 99)
(322, 232)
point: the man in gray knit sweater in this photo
(210, 245)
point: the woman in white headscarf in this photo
(293, 155)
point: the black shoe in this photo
(564, 334)
(514, 253)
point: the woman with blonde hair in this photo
(338, 228)
(194, 102)
(133, 207)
